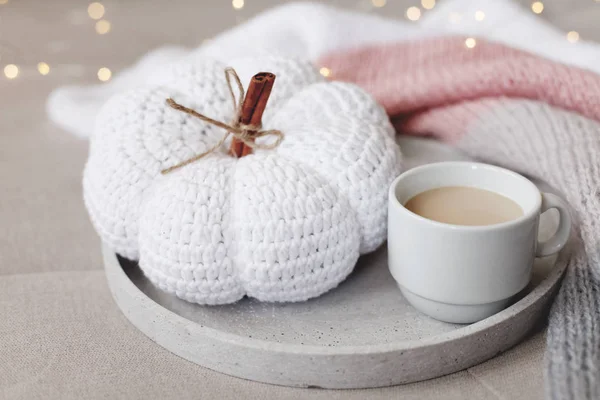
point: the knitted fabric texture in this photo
(283, 31)
(278, 225)
(514, 109)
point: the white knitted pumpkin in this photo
(279, 225)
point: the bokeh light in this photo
(96, 10)
(325, 71)
(428, 4)
(573, 36)
(104, 74)
(43, 68)
(102, 27)
(537, 7)
(11, 71)
(413, 13)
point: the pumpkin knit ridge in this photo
(278, 225)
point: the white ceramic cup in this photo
(463, 274)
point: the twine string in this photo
(245, 133)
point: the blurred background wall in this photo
(80, 37)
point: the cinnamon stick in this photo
(253, 107)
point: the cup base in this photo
(454, 313)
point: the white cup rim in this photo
(532, 212)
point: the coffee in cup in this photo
(464, 205)
(462, 237)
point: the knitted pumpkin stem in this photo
(253, 107)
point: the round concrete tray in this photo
(362, 334)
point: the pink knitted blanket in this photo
(532, 115)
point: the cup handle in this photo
(560, 238)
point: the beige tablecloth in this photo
(61, 334)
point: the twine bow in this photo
(244, 133)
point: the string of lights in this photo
(96, 11)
